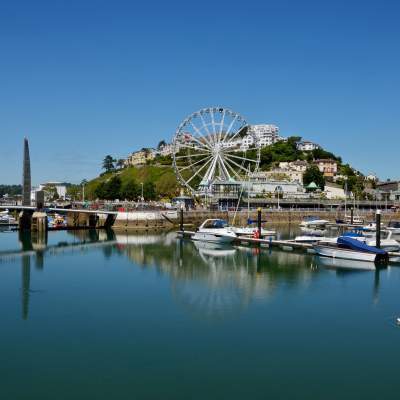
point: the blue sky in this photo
(82, 79)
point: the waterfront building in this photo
(48, 188)
(389, 190)
(307, 146)
(334, 191)
(327, 166)
(263, 183)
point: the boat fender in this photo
(256, 234)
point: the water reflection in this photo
(208, 281)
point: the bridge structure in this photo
(35, 217)
(31, 217)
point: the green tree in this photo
(100, 190)
(149, 191)
(73, 191)
(281, 151)
(162, 143)
(130, 190)
(108, 163)
(120, 163)
(313, 174)
(113, 188)
(322, 154)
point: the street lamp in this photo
(142, 198)
(278, 190)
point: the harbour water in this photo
(96, 315)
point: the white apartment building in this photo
(60, 188)
(167, 149)
(307, 146)
(266, 135)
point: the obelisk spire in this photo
(26, 176)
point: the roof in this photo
(299, 162)
(326, 160)
(332, 185)
(312, 185)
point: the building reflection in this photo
(34, 245)
(212, 282)
(207, 281)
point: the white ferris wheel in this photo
(214, 145)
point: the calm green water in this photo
(108, 316)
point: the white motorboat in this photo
(387, 243)
(7, 219)
(215, 231)
(333, 251)
(313, 239)
(356, 220)
(249, 231)
(351, 249)
(313, 222)
(371, 227)
(394, 227)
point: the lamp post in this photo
(83, 184)
(142, 198)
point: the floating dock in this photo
(394, 258)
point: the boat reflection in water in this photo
(209, 281)
(340, 263)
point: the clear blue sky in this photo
(82, 79)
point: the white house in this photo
(334, 191)
(307, 146)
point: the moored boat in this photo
(215, 231)
(351, 249)
(313, 222)
(394, 227)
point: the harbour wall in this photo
(159, 221)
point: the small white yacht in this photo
(313, 222)
(215, 231)
(356, 220)
(6, 218)
(371, 227)
(394, 227)
(387, 243)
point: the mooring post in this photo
(181, 219)
(378, 228)
(259, 222)
(352, 215)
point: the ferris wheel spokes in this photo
(209, 138)
(193, 164)
(198, 171)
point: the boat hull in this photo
(213, 237)
(346, 254)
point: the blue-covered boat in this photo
(351, 249)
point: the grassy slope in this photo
(162, 176)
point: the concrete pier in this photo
(39, 222)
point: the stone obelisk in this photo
(26, 176)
